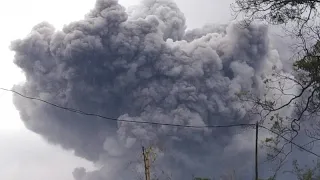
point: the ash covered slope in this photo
(142, 66)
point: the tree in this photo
(278, 11)
(302, 15)
(306, 173)
(300, 19)
(306, 71)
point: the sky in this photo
(23, 154)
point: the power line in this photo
(153, 123)
(123, 120)
(290, 141)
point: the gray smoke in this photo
(143, 65)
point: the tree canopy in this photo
(278, 11)
(300, 19)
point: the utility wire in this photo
(123, 120)
(290, 141)
(153, 123)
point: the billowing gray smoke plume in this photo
(143, 65)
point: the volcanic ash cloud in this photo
(143, 65)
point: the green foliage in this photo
(199, 178)
(306, 173)
(268, 140)
(310, 64)
(303, 16)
